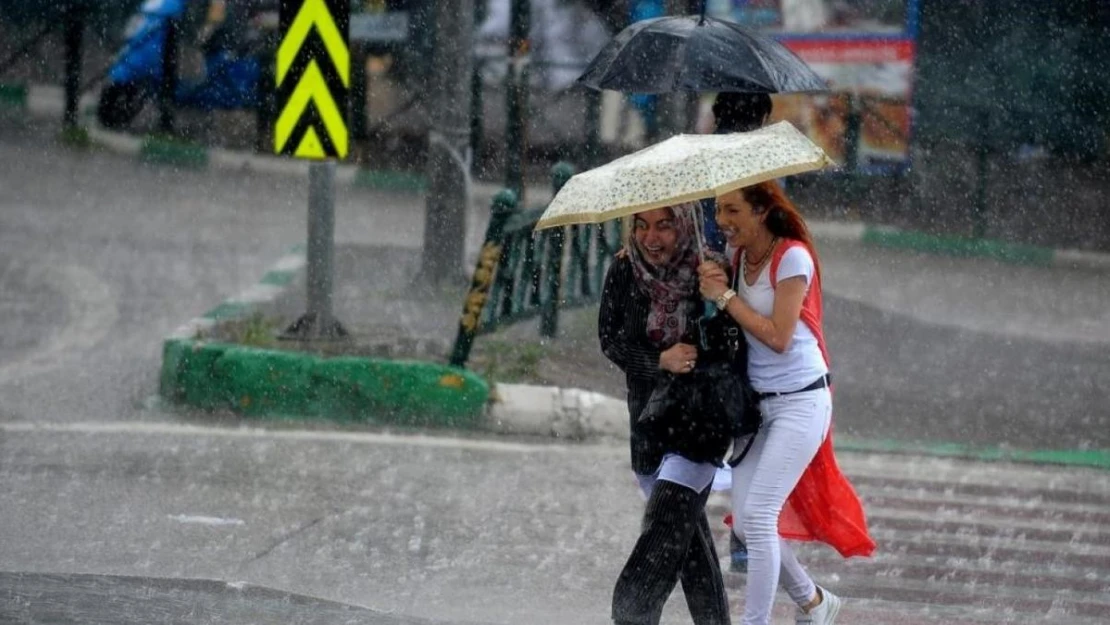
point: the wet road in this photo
(933, 348)
(901, 379)
(464, 530)
(100, 257)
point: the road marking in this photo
(968, 473)
(207, 520)
(368, 438)
(258, 293)
(290, 262)
(957, 564)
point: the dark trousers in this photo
(675, 543)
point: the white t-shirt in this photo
(802, 363)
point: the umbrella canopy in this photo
(691, 53)
(682, 169)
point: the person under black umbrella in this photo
(741, 112)
(699, 54)
(733, 112)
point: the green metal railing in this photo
(522, 274)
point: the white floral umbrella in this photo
(682, 169)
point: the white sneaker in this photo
(825, 612)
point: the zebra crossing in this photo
(965, 542)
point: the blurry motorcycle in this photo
(233, 42)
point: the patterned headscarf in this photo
(671, 287)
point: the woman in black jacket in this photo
(648, 306)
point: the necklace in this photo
(750, 265)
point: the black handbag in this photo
(698, 415)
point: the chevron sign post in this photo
(313, 78)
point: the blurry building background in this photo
(995, 115)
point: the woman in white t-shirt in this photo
(788, 484)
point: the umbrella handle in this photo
(699, 231)
(709, 309)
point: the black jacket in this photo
(622, 331)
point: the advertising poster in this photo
(865, 49)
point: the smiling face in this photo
(738, 220)
(656, 235)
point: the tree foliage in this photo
(1016, 73)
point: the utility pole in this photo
(675, 108)
(449, 150)
(516, 95)
(167, 89)
(74, 31)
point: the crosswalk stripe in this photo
(982, 525)
(985, 526)
(964, 542)
(1021, 502)
(1075, 580)
(923, 544)
(1005, 600)
(955, 473)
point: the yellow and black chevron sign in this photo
(313, 78)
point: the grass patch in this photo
(508, 361)
(75, 137)
(256, 330)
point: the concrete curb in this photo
(43, 100)
(391, 180)
(47, 101)
(13, 96)
(551, 411)
(986, 248)
(170, 151)
(579, 414)
(273, 383)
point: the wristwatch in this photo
(722, 299)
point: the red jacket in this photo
(823, 505)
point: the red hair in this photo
(783, 219)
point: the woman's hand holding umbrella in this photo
(713, 281)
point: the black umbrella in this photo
(692, 53)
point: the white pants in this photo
(794, 426)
